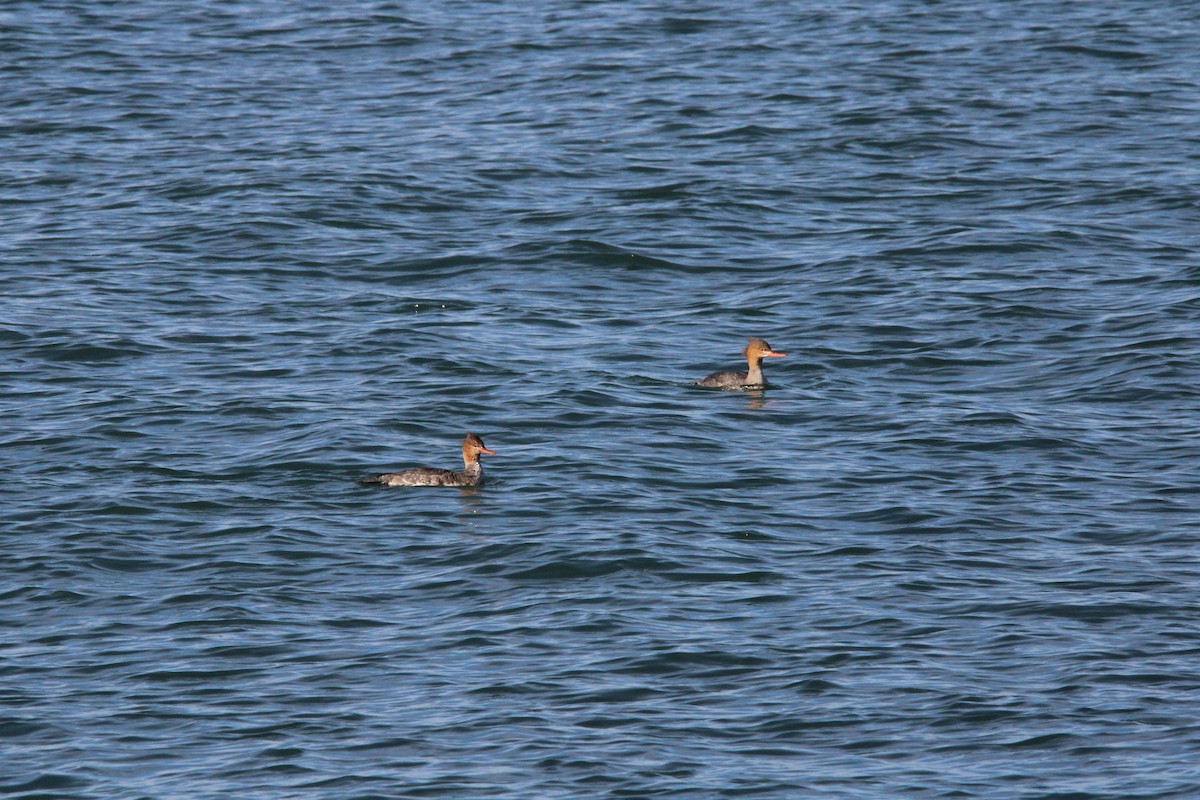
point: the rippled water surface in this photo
(252, 252)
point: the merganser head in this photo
(757, 349)
(473, 446)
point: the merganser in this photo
(754, 353)
(472, 474)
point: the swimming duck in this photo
(471, 475)
(755, 352)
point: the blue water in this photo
(251, 252)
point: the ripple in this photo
(250, 258)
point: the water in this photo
(252, 253)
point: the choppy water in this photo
(253, 252)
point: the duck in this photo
(471, 475)
(755, 352)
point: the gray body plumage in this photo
(431, 476)
(731, 380)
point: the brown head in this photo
(758, 349)
(473, 446)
